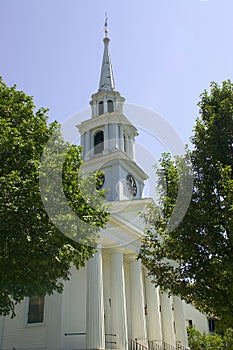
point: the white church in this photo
(110, 303)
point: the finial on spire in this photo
(106, 25)
(106, 75)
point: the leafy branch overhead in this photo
(34, 255)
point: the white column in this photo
(106, 139)
(82, 144)
(105, 104)
(138, 303)
(120, 107)
(117, 136)
(167, 319)
(85, 145)
(133, 149)
(82, 140)
(128, 145)
(112, 137)
(95, 108)
(181, 334)
(121, 139)
(87, 137)
(118, 304)
(116, 104)
(91, 143)
(154, 327)
(95, 304)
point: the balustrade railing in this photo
(167, 346)
(136, 345)
(181, 347)
(161, 345)
(153, 345)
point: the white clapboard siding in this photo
(17, 334)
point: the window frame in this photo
(125, 139)
(99, 145)
(35, 323)
(110, 103)
(100, 107)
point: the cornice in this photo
(104, 119)
(116, 157)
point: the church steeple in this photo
(108, 138)
(106, 76)
(106, 99)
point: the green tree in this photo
(198, 340)
(228, 338)
(35, 256)
(195, 339)
(194, 258)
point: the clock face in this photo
(131, 185)
(100, 181)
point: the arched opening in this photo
(99, 142)
(110, 106)
(101, 107)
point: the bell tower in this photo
(108, 138)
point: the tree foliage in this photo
(198, 340)
(195, 259)
(35, 256)
(214, 341)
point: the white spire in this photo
(106, 75)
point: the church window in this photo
(190, 323)
(99, 142)
(101, 107)
(110, 106)
(125, 142)
(211, 324)
(35, 309)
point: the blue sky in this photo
(164, 52)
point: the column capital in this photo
(132, 258)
